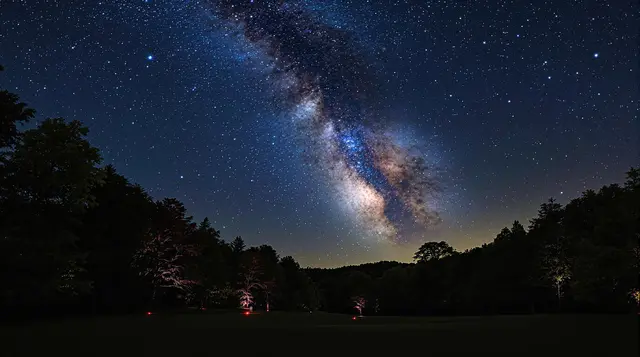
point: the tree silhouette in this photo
(12, 112)
(433, 251)
(46, 187)
(209, 266)
(237, 246)
(113, 230)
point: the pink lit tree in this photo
(163, 255)
(246, 298)
(160, 260)
(250, 281)
(360, 303)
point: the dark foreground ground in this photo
(318, 334)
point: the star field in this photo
(506, 103)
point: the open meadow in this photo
(300, 334)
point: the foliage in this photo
(12, 112)
(113, 230)
(583, 256)
(45, 189)
(433, 251)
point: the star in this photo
(334, 120)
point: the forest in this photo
(76, 237)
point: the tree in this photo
(250, 281)
(12, 111)
(45, 189)
(517, 230)
(602, 228)
(270, 272)
(53, 165)
(633, 179)
(163, 262)
(237, 246)
(360, 303)
(433, 251)
(246, 298)
(291, 283)
(209, 267)
(396, 290)
(296, 290)
(634, 296)
(504, 234)
(113, 230)
(164, 254)
(553, 257)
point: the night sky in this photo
(341, 132)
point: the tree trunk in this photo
(153, 299)
(559, 293)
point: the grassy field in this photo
(318, 334)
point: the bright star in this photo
(596, 55)
(150, 57)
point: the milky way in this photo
(329, 90)
(514, 102)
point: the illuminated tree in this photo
(559, 279)
(163, 263)
(635, 297)
(163, 255)
(246, 298)
(554, 258)
(250, 281)
(558, 270)
(360, 303)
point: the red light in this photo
(246, 313)
(148, 313)
(354, 318)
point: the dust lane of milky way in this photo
(327, 86)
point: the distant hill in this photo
(374, 270)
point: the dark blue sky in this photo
(509, 102)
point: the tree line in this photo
(581, 257)
(78, 237)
